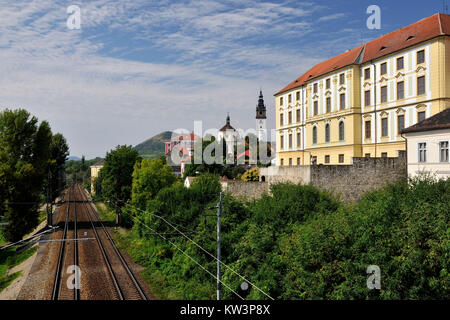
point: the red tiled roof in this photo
(246, 153)
(335, 63)
(436, 122)
(425, 29)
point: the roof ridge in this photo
(361, 54)
(440, 23)
(404, 27)
(424, 29)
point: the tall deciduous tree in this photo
(24, 156)
(59, 151)
(117, 174)
(149, 177)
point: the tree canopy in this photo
(117, 174)
(28, 151)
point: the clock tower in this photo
(261, 118)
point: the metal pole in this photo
(219, 213)
(118, 215)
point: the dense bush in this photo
(299, 242)
(402, 229)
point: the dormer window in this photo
(410, 38)
(382, 48)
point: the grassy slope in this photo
(9, 258)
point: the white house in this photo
(427, 146)
(229, 135)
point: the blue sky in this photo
(136, 68)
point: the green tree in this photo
(149, 177)
(98, 186)
(402, 228)
(117, 174)
(59, 151)
(24, 159)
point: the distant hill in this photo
(73, 158)
(154, 147)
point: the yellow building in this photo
(95, 169)
(356, 104)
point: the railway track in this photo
(105, 274)
(68, 253)
(125, 282)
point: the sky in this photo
(136, 68)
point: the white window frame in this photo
(418, 152)
(440, 151)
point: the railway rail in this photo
(100, 259)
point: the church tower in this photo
(261, 118)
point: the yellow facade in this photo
(381, 136)
(95, 169)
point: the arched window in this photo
(327, 132)
(314, 134)
(341, 131)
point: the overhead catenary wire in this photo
(204, 250)
(176, 224)
(187, 255)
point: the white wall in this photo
(433, 164)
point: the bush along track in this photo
(297, 243)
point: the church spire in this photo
(261, 107)
(228, 118)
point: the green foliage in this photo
(251, 175)
(24, 161)
(98, 186)
(117, 174)
(297, 243)
(402, 229)
(149, 177)
(59, 151)
(77, 171)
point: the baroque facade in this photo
(357, 103)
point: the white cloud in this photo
(334, 16)
(72, 79)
